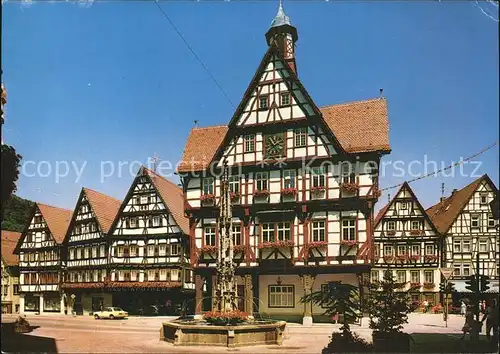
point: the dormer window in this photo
(263, 102)
(285, 99)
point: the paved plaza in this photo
(141, 334)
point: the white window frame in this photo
(318, 231)
(416, 225)
(485, 200)
(318, 176)
(431, 248)
(466, 266)
(287, 101)
(133, 222)
(491, 221)
(413, 278)
(300, 137)
(391, 225)
(208, 185)
(374, 275)
(388, 251)
(157, 221)
(120, 251)
(102, 251)
(234, 184)
(483, 244)
(284, 231)
(475, 221)
(162, 249)
(268, 232)
(349, 228)
(402, 250)
(263, 102)
(175, 249)
(261, 181)
(94, 252)
(133, 251)
(289, 179)
(466, 246)
(404, 205)
(237, 240)
(426, 273)
(71, 253)
(401, 274)
(281, 296)
(415, 250)
(210, 235)
(249, 143)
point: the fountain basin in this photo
(224, 336)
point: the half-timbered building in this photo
(407, 243)
(10, 272)
(39, 250)
(303, 181)
(466, 221)
(86, 252)
(149, 252)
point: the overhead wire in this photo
(443, 169)
(174, 27)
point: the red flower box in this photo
(431, 258)
(261, 193)
(144, 284)
(415, 232)
(415, 257)
(235, 195)
(348, 242)
(289, 191)
(225, 318)
(318, 189)
(240, 248)
(415, 285)
(277, 244)
(350, 187)
(402, 258)
(317, 244)
(208, 249)
(391, 232)
(429, 285)
(207, 197)
(388, 259)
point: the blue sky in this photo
(115, 82)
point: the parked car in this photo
(111, 313)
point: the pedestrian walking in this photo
(483, 306)
(491, 317)
(426, 305)
(463, 308)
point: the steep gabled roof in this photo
(360, 126)
(9, 242)
(173, 198)
(105, 207)
(444, 213)
(384, 210)
(170, 194)
(57, 220)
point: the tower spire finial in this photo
(281, 18)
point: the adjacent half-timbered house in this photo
(39, 250)
(149, 248)
(10, 272)
(407, 243)
(303, 182)
(469, 228)
(86, 252)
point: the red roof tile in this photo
(57, 220)
(444, 213)
(104, 207)
(360, 126)
(173, 198)
(9, 242)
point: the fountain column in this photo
(198, 298)
(307, 282)
(248, 294)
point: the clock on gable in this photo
(275, 145)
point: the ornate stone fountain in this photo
(190, 331)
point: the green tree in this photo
(336, 297)
(16, 213)
(11, 162)
(388, 304)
